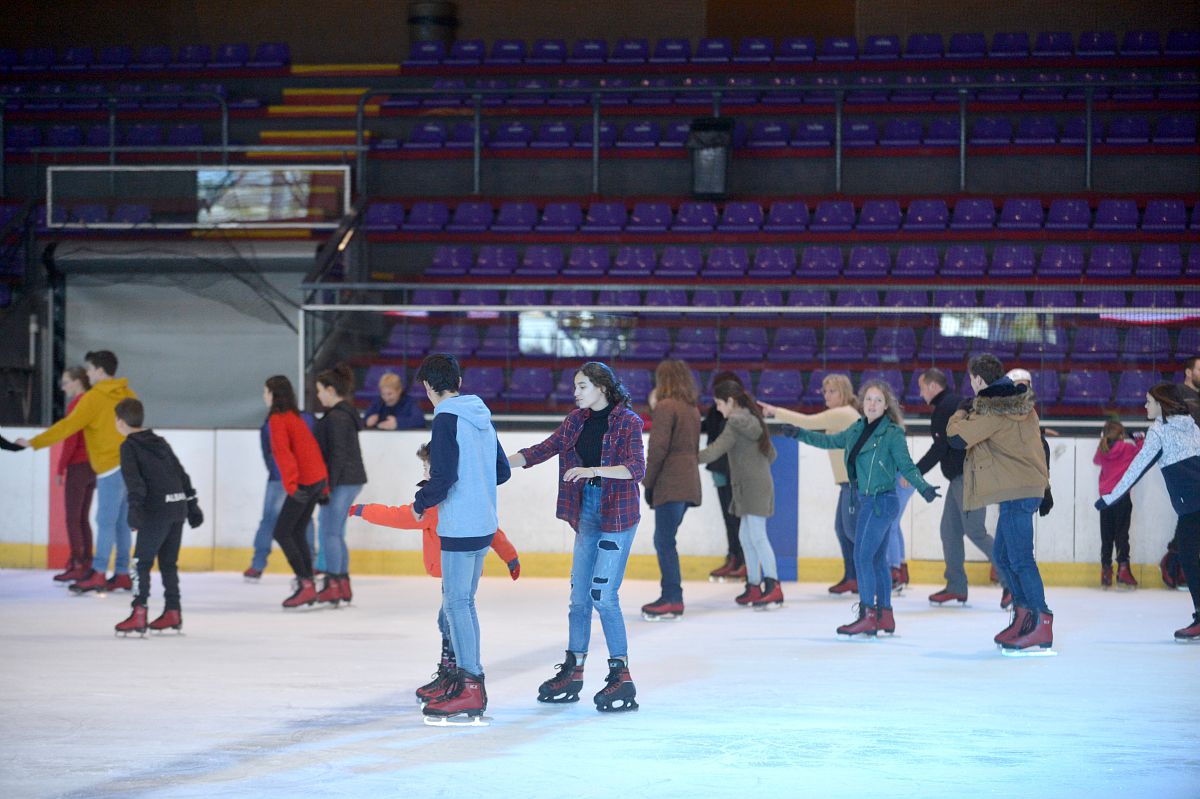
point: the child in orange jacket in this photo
(403, 518)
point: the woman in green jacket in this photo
(875, 452)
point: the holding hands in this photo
(930, 493)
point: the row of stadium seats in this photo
(132, 96)
(191, 57)
(24, 137)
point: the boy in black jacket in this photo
(160, 498)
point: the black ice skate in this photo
(618, 692)
(442, 678)
(565, 685)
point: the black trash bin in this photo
(711, 141)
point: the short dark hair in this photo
(1190, 363)
(441, 371)
(339, 378)
(935, 376)
(283, 396)
(102, 359)
(131, 411)
(987, 367)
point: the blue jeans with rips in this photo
(597, 569)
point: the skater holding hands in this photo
(875, 452)
(337, 435)
(1173, 441)
(1113, 456)
(600, 461)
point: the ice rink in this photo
(253, 701)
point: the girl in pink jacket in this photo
(1113, 456)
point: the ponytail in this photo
(729, 390)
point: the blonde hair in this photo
(842, 383)
(891, 405)
(674, 380)
(391, 380)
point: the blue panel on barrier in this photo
(783, 528)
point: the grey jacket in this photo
(749, 470)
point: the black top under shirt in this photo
(591, 440)
(868, 429)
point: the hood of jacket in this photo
(1005, 398)
(115, 388)
(468, 408)
(151, 446)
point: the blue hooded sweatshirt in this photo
(466, 463)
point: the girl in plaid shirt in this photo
(600, 463)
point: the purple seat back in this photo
(470, 217)
(587, 261)
(679, 261)
(649, 217)
(820, 261)
(973, 214)
(451, 261)
(695, 217)
(868, 262)
(560, 218)
(741, 217)
(727, 262)
(1061, 260)
(633, 262)
(965, 261)
(787, 216)
(1095, 344)
(494, 260)
(845, 343)
(1068, 215)
(1110, 260)
(926, 215)
(916, 261)
(774, 262)
(1021, 214)
(793, 344)
(1087, 387)
(780, 386)
(833, 215)
(541, 261)
(515, 217)
(605, 217)
(1147, 344)
(879, 215)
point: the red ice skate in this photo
(1106, 576)
(867, 624)
(887, 621)
(724, 572)
(618, 692)
(331, 592)
(136, 623)
(1006, 599)
(1125, 576)
(74, 571)
(946, 595)
(442, 678)
(772, 595)
(119, 582)
(848, 585)
(93, 582)
(900, 577)
(344, 582)
(662, 610)
(171, 619)
(1191, 632)
(305, 594)
(752, 594)
(252, 575)
(1037, 633)
(1014, 626)
(462, 703)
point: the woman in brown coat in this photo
(672, 481)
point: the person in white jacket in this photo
(1173, 441)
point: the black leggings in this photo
(1187, 533)
(289, 531)
(1114, 527)
(158, 539)
(732, 523)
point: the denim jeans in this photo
(112, 524)
(895, 545)
(667, 518)
(272, 503)
(875, 515)
(760, 555)
(597, 569)
(843, 526)
(1013, 553)
(331, 522)
(460, 581)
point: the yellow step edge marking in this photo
(308, 134)
(328, 92)
(306, 69)
(314, 110)
(325, 155)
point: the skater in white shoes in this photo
(600, 461)
(875, 453)
(672, 481)
(747, 442)
(1173, 440)
(1006, 465)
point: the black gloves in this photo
(930, 493)
(789, 430)
(195, 517)
(1047, 503)
(1100, 504)
(649, 494)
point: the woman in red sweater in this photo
(1113, 456)
(78, 480)
(305, 479)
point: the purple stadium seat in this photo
(642, 133)
(143, 135)
(465, 53)
(1181, 90)
(270, 55)
(741, 217)
(671, 51)
(1075, 131)
(922, 46)
(649, 217)
(954, 298)
(384, 216)
(1021, 214)
(1036, 130)
(812, 133)
(1053, 44)
(778, 263)
(926, 215)
(446, 100)
(470, 217)
(868, 96)
(499, 341)
(967, 45)
(1095, 344)
(404, 340)
(1110, 260)
(820, 261)
(427, 215)
(793, 344)
(649, 343)
(462, 136)
(1192, 268)
(515, 217)
(588, 51)
(1097, 43)
(560, 218)
(1102, 298)
(881, 48)
(131, 214)
(1054, 298)
(768, 133)
(726, 262)
(1175, 130)
(188, 134)
(997, 88)
(605, 217)
(814, 395)
(786, 216)
(879, 215)
(680, 262)
(529, 384)
(752, 50)
(1154, 298)
(796, 49)
(744, 344)
(484, 381)
(833, 215)
(512, 135)
(937, 347)
(554, 136)
(587, 261)
(540, 261)
(64, 136)
(230, 56)
(1061, 260)
(22, 137)
(1052, 346)
(721, 298)
(89, 214)
(916, 261)
(479, 297)
(1128, 130)
(780, 386)
(425, 298)
(1004, 298)
(1013, 260)
(1147, 344)
(838, 48)
(152, 57)
(901, 133)
(450, 261)
(1183, 43)
(695, 344)
(507, 51)
(905, 298)
(1010, 45)
(636, 262)
(894, 344)
(97, 136)
(494, 260)
(1141, 43)
(547, 51)
(890, 376)
(638, 382)
(761, 298)
(965, 261)
(695, 217)
(459, 339)
(1068, 215)
(868, 262)
(1087, 387)
(426, 136)
(117, 58)
(991, 130)
(973, 214)
(1160, 261)
(845, 344)
(1045, 384)
(857, 298)
(627, 297)
(783, 91)
(943, 132)
(630, 51)
(1188, 343)
(1133, 385)
(74, 58)
(675, 135)
(426, 53)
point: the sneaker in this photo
(252, 575)
(119, 582)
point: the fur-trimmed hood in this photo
(1005, 398)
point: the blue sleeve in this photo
(408, 414)
(375, 409)
(957, 442)
(503, 470)
(443, 463)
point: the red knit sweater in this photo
(295, 451)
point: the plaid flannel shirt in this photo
(620, 500)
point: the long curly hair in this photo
(604, 378)
(891, 404)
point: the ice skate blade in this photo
(1187, 640)
(627, 706)
(458, 720)
(160, 633)
(662, 617)
(558, 699)
(127, 633)
(1034, 652)
(858, 637)
(768, 606)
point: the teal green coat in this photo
(883, 454)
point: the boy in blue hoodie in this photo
(466, 463)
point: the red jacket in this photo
(1114, 462)
(295, 451)
(74, 450)
(431, 546)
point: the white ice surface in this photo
(252, 701)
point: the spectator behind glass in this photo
(394, 410)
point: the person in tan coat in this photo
(748, 444)
(1006, 465)
(672, 481)
(841, 411)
